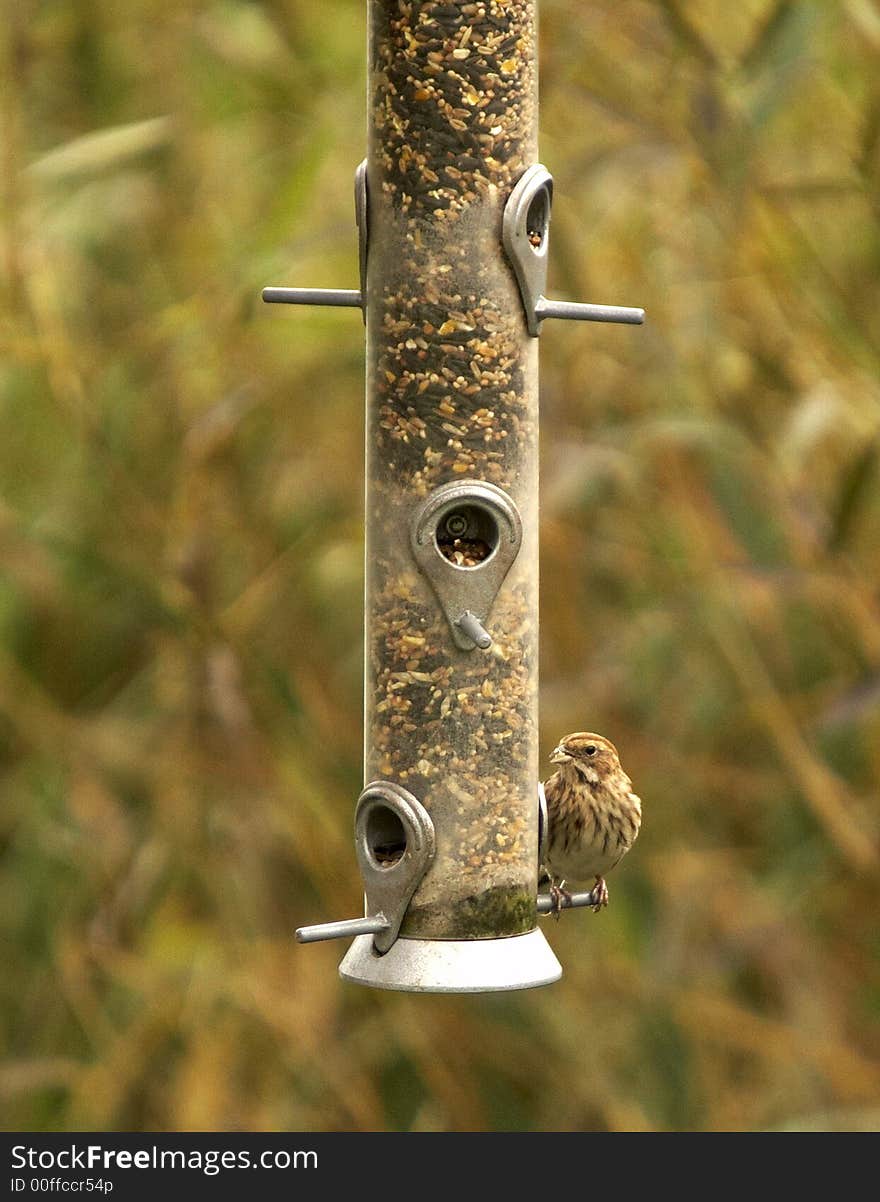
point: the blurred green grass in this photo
(181, 575)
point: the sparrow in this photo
(593, 815)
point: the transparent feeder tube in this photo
(452, 397)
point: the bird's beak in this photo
(559, 755)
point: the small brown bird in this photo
(593, 815)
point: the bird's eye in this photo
(591, 749)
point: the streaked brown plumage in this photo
(593, 815)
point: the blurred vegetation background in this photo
(181, 575)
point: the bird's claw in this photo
(559, 896)
(600, 895)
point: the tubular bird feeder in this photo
(453, 212)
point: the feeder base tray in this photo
(453, 965)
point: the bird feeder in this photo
(453, 213)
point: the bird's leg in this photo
(600, 894)
(557, 893)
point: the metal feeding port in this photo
(337, 298)
(526, 237)
(465, 538)
(394, 840)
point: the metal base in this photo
(453, 966)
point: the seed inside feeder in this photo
(453, 397)
(387, 854)
(464, 552)
(385, 836)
